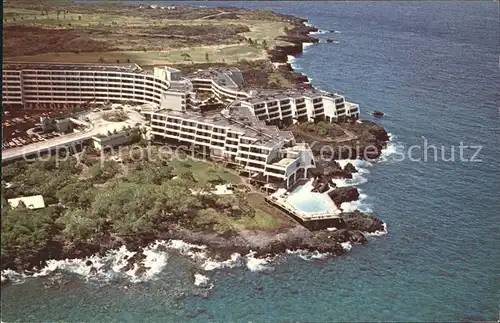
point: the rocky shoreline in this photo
(261, 243)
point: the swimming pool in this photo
(306, 201)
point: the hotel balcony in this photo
(254, 168)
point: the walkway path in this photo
(214, 15)
(349, 134)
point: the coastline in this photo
(257, 243)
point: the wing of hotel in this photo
(182, 110)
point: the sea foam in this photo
(258, 264)
(306, 45)
(202, 281)
(378, 233)
(357, 178)
(307, 255)
(319, 32)
(361, 204)
(392, 148)
(346, 245)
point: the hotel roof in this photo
(222, 76)
(257, 96)
(74, 66)
(237, 119)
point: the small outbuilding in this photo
(32, 202)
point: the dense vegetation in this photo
(89, 203)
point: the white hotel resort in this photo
(245, 133)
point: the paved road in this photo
(98, 126)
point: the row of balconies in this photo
(105, 83)
(155, 97)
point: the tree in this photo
(78, 226)
(74, 194)
(188, 176)
(26, 231)
(213, 176)
(186, 57)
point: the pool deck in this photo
(311, 220)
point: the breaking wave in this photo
(307, 255)
(258, 264)
(306, 46)
(319, 32)
(392, 148)
(357, 178)
(377, 233)
(346, 245)
(361, 204)
(111, 266)
(291, 60)
(202, 281)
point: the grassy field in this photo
(227, 54)
(199, 169)
(138, 39)
(266, 217)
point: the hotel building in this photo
(236, 136)
(164, 88)
(82, 83)
(246, 133)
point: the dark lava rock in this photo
(329, 40)
(141, 270)
(344, 194)
(357, 236)
(377, 113)
(341, 235)
(329, 171)
(363, 222)
(88, 263)
(350, 168)
(135, 259)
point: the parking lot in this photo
(17, 121)
(20, 124)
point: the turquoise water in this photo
(432, 67)
(306, 201)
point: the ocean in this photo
(433, 68)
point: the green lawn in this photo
(113, 23)
(199, 169)
(266, 216)
(261, 221)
